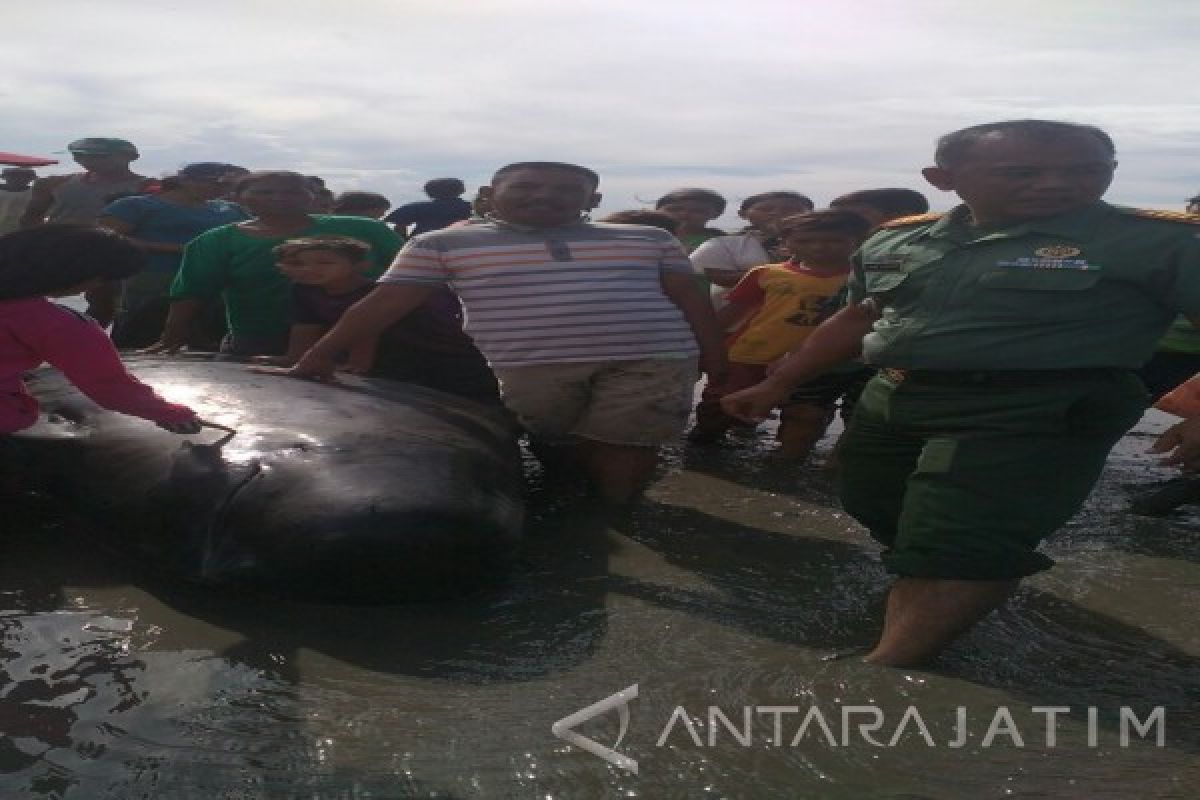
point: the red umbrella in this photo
(18, 160)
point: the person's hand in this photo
(755, 403)
(1181, 443)
(316, 367)
(185, 427)
(774, 365)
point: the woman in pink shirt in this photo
(58, 261)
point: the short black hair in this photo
(241, 184)
(1193, 200)
(444, 188)
(642, 216)
(840, 223)
(587, 173)
(782, 194)
(359, 201)
(892, 202)
(354, 249)
(706, 196)
(53, 258)
(953, 147)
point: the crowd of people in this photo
(985, 359)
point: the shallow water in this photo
(731, 587)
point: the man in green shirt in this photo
(237, 263)
(1007, 332)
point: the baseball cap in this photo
(101, 146)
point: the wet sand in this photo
(735, 585)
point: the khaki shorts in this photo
(642, 403)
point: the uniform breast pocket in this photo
(1051, 293)
(884, 282)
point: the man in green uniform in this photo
(1006, 332)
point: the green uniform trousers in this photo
(961, 475)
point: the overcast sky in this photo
(742, 96)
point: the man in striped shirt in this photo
(592, 329)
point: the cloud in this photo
(743, 97)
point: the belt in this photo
(999, 377)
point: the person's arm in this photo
(201, 276)
(834, 341)
(732, 313)
(361, 357)
(82, 352)
(300, 338)
(41, 198)
(126, 229)
(746, 298)
(681, 289)
(364, 321)
(1181, 443)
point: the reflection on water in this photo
(731, 587)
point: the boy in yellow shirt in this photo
(779, 305)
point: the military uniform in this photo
(1006, 376)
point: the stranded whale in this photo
(372, 491)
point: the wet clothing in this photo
(427, 346)
(80, 198)
(240, 267)
(429, 216)
(34, 330)
(581, 292)
(1006, 361)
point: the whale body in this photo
(371, 491)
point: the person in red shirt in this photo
(59, 260)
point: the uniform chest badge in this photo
(1057, 251)
(884, 263)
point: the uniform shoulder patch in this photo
(916, 219)
(1165, 216)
